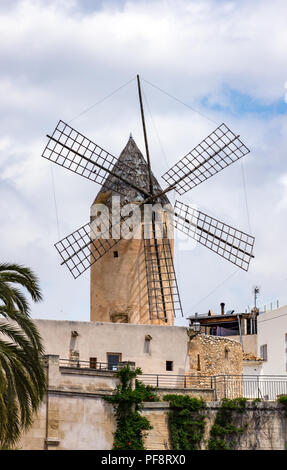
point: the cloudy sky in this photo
(225, 59)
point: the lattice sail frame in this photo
(217, 151)
(89, 243)
(163, 294)
(82, 248)
(226, 241)
(72, 150)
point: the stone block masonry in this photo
(213, 355)
(266, 426)
(75, 416)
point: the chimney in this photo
(222, 305)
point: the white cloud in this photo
(58, 58)
(282, 204)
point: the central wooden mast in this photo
(145, 136)
(158, 259)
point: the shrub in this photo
(223, 429)
(127, 404)
(186, 423)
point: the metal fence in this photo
(264, 387)
(178, 381)
(94, 365)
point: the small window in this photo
(169, 365)
(198, 362)
(263, 352)
(226, 354)
(93, 362)
(113, 360)
(116, 254)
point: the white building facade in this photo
(272, 341)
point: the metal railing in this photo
(178, 381)
(85, 364)
(93, 365)
(264, 387)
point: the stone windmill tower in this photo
(133, 278)
(119, 280)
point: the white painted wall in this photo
(252, 368)
(272, 328)
(169, 343)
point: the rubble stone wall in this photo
(213, 355)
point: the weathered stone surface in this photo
(266, 426)
(206, 394)
(119, 284)
(158, 438)
(81, 419)
(213, 355)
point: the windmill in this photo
(131, 174)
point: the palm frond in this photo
(22, 375)
(29, 280)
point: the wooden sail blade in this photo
(88, 244)
(217, 151)
(163, 294)
(228, 242)
(72, 150)
(92, 241)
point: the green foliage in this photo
(22, 375)
(223, 430)
(185, 421)
(283, 400)
(146, 392)
(185, 401)
(126, 374)
(256, 400)
(127, 403)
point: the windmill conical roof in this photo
(132, 157)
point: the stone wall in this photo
(266, 426)
(208, 394)
(213, 355)
(158, 438)
(75, 416)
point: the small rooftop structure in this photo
(227, 324)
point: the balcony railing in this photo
(94, 365)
